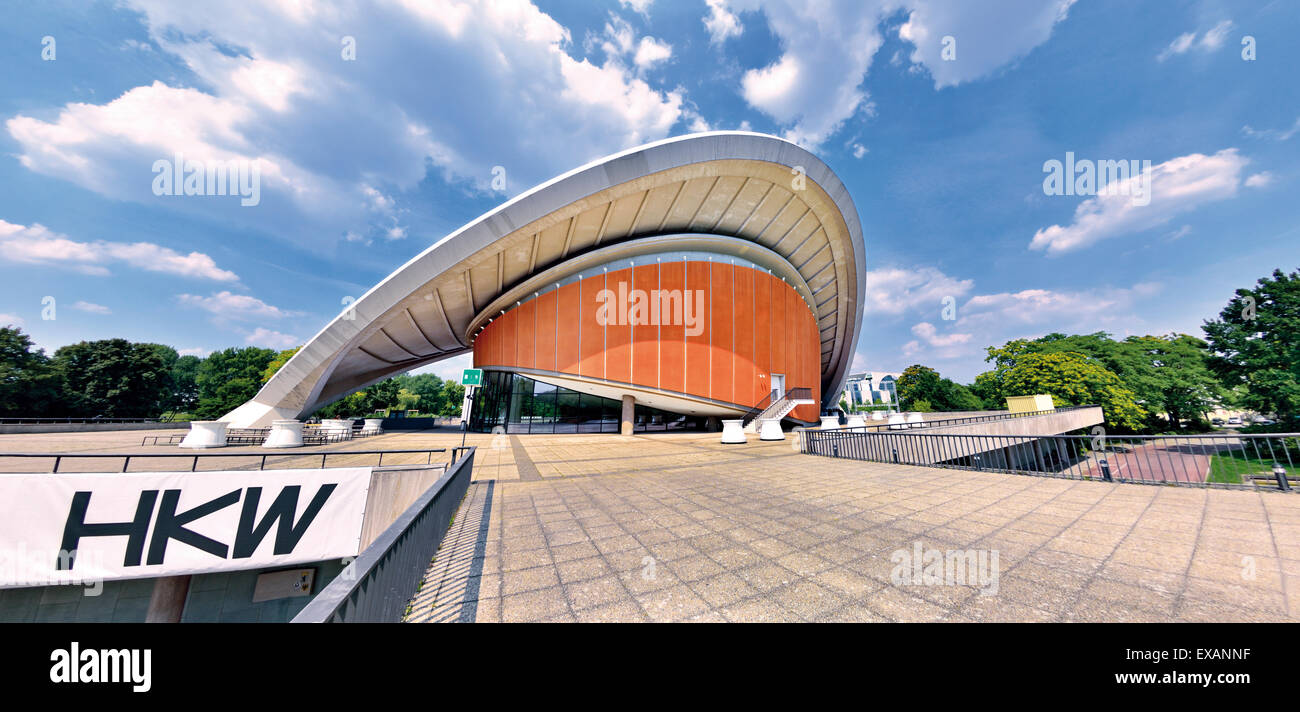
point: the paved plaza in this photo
(677, 527)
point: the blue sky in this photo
(937, 115)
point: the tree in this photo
(229, 378)
(453, 397)
(1256, 344)
(29, 386)
(278, 362)
(917, 383)
(920, 386)
(382, 395)
(1074, 379)
(430, 389)
(113, 378)
(185, 387)
(1168, 374)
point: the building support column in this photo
(168, 600)
(628, 420)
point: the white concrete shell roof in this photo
(749, 186)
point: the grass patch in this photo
(1235, 467)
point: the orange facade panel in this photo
(526, 335)
(720, 333)
(619, 304)
(545, 331)
(745, 384)
(697, 367)
(645, 333)
(672, 331)
(566, 321)
(722, 343)
(591, 356)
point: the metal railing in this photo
(77, 421)
(948, 422)
(757, 410)
(767, 403)
(377, 586)
(281, 460)
(1230, 461)
(311, 435)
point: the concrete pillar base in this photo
(856, 421)
(372, 426)
(732, 432)
(284, 433)
(205, 434)
(770, 429)
(830, 422)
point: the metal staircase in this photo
(778, 408)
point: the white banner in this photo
(146, 524)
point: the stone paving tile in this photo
(675, 527)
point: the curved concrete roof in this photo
(749, 186)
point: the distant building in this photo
(871, 388)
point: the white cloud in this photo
(985, 35)
(12, 320)
(1274, 134)
(927, 332)
(1210, 41)
(859, 150)
(651, 52)
(1177, 186)
(226, 305)
(641, 6)
(91, 307)
(520, 100)
(38, 245)
(815, 85)
(267, 338)
(196, 351)
(893, 290)
(1260, 180)
(721, 22)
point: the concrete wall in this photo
(88, 427)
(932, 445)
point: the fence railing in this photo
(278, 460)
(78, 421)
(964, 420)
(1231, 461)
(377, 586)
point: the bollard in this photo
(895, 456)
(1105, 470)
(1279, 472)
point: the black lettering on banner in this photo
(76, 527)
(287, 534)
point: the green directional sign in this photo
(472, 377)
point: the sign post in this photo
(472, 378)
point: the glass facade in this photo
(519, 404)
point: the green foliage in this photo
(920, 385)
(1256, 344)
(29, 386)
(1074, 379)
(278, 362)
(184, 383)
(228, 378)
(115, 378)
(1164, 374)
